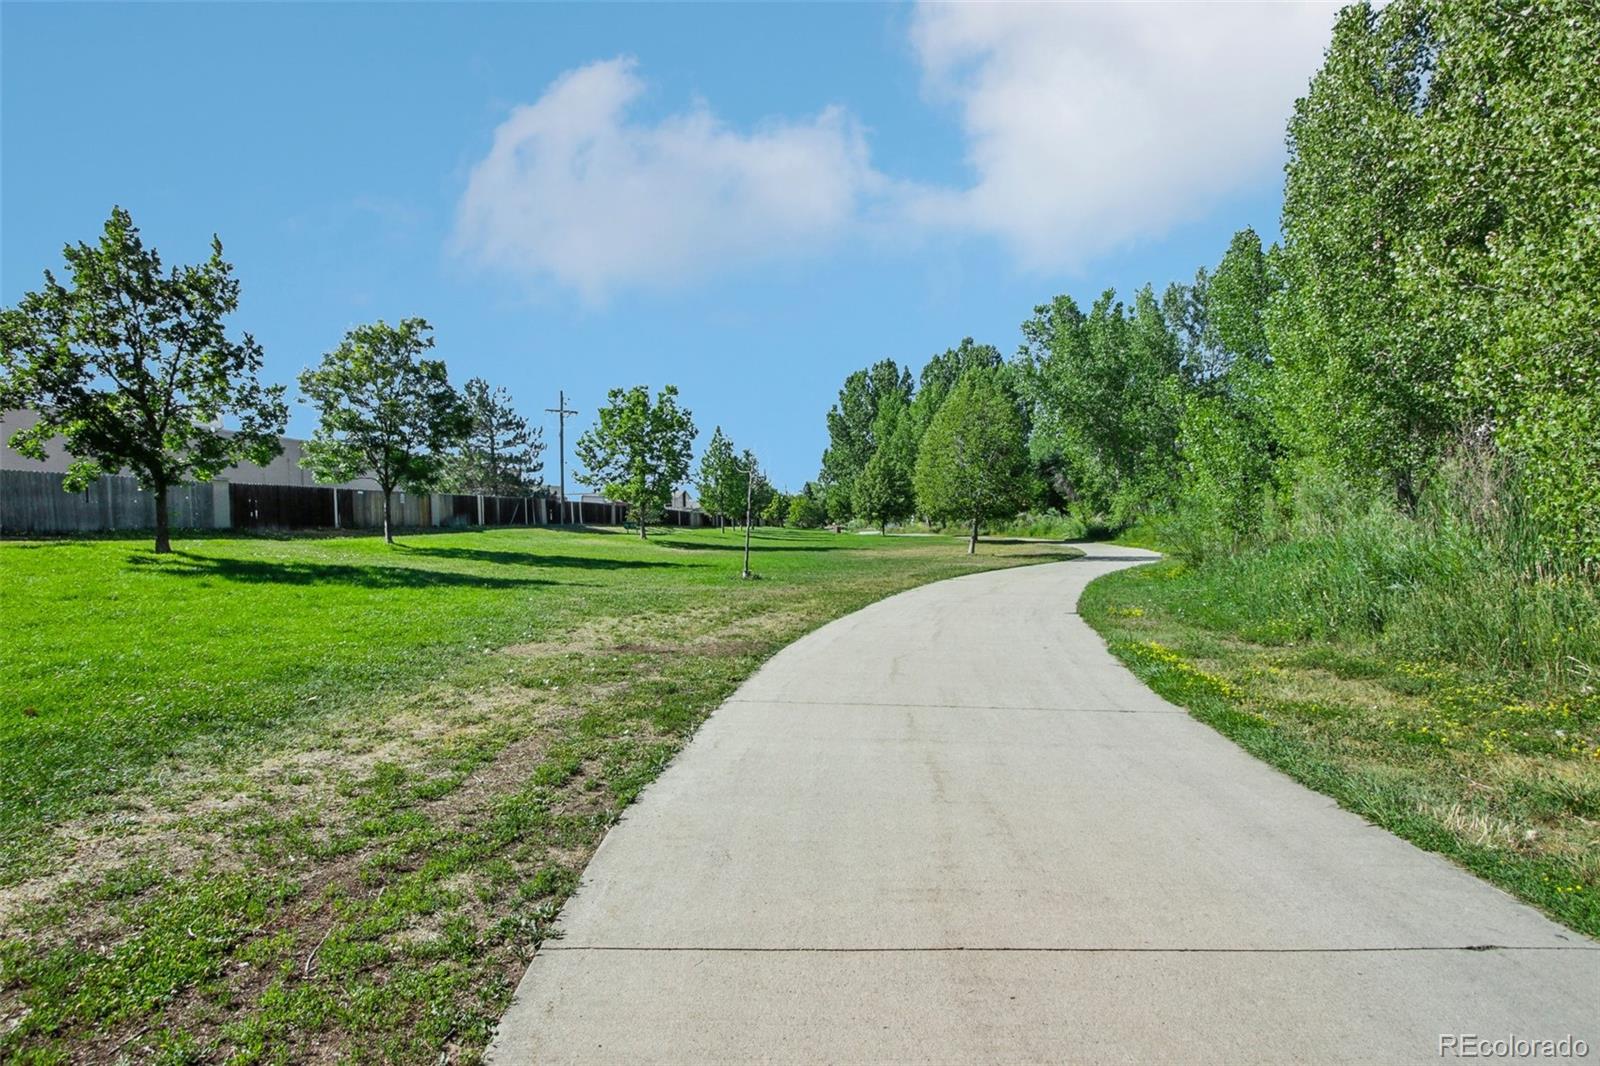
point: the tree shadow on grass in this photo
(256, 571)
(529, 558)
(1065, 557)
(737, 545)
(1023, 540)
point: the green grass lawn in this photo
(279, 799)
(1497, 768)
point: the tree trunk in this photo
(388, 534)
(1405, 491)
(163, 534)
(642, 534)
(972, 544)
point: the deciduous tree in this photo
(383, 411)
(805, 512)
(1105, 398)
(972, 465)
(639, 450)
(940, 374)
(883, 490)
(132, 366)
(776, 509)
(717, 479)
(850, 423)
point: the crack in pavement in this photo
(953, 706)
(1074, 950)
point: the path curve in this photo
(951, 827)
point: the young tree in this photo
(972, 465)
(805, 512)
(760, 488)
(384, 412)
(132, 366)
(776, 509)
(1226, 433)
(718, 481)
(639, 450)
(501, 451)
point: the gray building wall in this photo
(284, 470)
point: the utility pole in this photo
(561, 413)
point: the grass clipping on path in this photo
(318, 800)
(1499, 771)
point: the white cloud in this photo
(1090, 125)
(574, 191)
(1087, 125)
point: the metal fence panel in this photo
(34, 502)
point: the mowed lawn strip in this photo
(1500, 773)
(317, 799)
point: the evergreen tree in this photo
(501, 453)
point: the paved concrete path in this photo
(951, 827)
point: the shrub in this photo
(1466, 579)
(1044, 525)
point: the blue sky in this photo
(746, 201)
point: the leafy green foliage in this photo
(940, 375)
(1226, 436)
(1514, 248)
(501, 454)
(132, 366)
(718, 479)
(851, 441)
(639, 450)
(1369, 384)
(755, 481)
(805, 511)
(383, 411)
(1103, 391)
(972, 465)
(776, 509)
(883, 491)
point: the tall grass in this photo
(1464, 579)
(1051, 525)
(1077, 523)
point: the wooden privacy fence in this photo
(34, 502)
